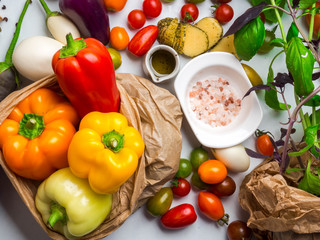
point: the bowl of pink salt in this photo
(210, 89)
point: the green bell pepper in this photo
(69, 206)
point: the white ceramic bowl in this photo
(228, 67)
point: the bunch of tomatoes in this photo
(210, 179)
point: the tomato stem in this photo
(224, 220)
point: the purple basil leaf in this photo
(246, 17)
(280, 143)
(315, 76)
(295, 3)
(257, 87)
(254, 154)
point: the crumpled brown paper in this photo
(276, 206)
(156, 113)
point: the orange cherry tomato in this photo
(211, 206)
(264, 145)
(119, 38)
(212, 171)
(115, 5)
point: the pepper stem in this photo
(58, 213)
(72, 47)
(31, 125)
(113, 140)
(8, 58)
(49, 13)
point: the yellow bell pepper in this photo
(105, 150)
(69, 205)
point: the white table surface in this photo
(17, 223)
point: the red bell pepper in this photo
(85, 74)
(143, 40)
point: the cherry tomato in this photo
(224, 1)
(160, 203)
(211, 206)
(119, 38)
(180, 216)
(136, 19)
(226, 188)
(198, 156)
(180, 187)
(316, 26)
(189, 12)
(212, 171)
(185, 168)
(197, 182)
(238, 230)
(115, 6)
(152, 8)
(224, 13)
(196, 1)
(116, 58)
(264, 144)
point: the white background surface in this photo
(17, 223)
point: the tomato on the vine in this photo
(152, 8)
(189, 12)
(136, 19)
(224, 13)
(212, 171)
(238, 230)
(264, 144)
(180, 187)
(211, 206)
(119, 38)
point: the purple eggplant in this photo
(90, 16)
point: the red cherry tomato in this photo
(211, 206)
(143, 40)
(263, 143)
(152, 8)
(180, 187)
(224, 13)
(180, 216)
(136, 19)
(226, 188)
(189, 12)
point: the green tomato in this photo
(253, 76)
(116, 57)
(160, 203)
(167, 1)
(195, 1)
(198, 156)
(185, 168)
(197, 182)
(266, 47)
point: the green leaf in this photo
(292, 32)
(300, 62)
(311, 134)
(310, 183)
(249, 39)
(278, 42)
(306, 3)
(291, 170)
(271, 96)
(313, 102)
(302, 151)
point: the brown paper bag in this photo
(156, 113)
(276, 205)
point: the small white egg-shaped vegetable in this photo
(32, 57)
(235, 158)
(59, 26)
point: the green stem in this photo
(311, 23)
(279, 21)
(31, 125)
(303, 120)
(113, 140)
(58, 214)
(49, 13)
(8, 58)
(72, 47)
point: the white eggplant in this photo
(59, 25)
(235, 158)
(32, 57)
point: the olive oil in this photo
(163, 62)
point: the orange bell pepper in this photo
(36, 135)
